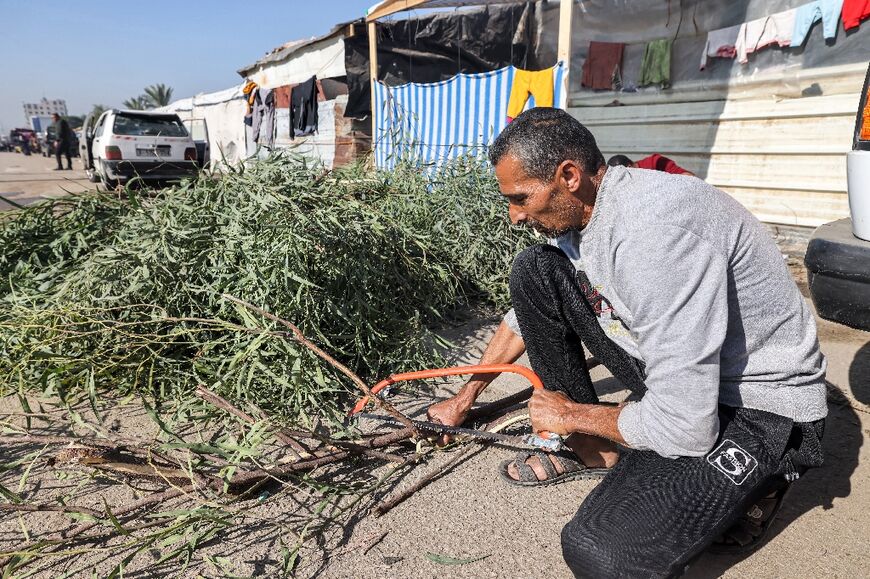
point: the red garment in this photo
(657, 162)
(603, 62)
(282, 97)
(854, 11)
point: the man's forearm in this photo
(504, 348)
(597, 420)
(555, 412)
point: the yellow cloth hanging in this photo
(538, 83)
(250, 90)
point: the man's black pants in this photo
(651, 515)
(63, 148)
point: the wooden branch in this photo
(240, 480)
(116, 444)
(56, 508)
(300, 338)
(220, 402)
(286, 437)
(465, 453)
(488, 410)
(387, 504)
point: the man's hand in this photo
(553, 412)
(450, 412)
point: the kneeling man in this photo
(685, 297)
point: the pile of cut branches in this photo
(239, 314)
(125, 294)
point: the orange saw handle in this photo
(526, 373)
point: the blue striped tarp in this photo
(428, 124)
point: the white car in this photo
(126, 144)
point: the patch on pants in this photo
(730, 459)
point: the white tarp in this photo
(224, 113)
(323, 59)
(319, 146)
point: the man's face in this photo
(55, 117)
(549, 207)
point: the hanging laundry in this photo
(430, 124)
(303, 108)
(603, 64)
(828, 11)
(282, 97)
(721, 43)
(264, 118)
(250, 92)
(854, 11)
(538, 83)
(757, 34)
(655, 68)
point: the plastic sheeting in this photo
(432, 123)
(223, 112)
(323, 59)
(319, 146)
(636, 22)
(438, 46)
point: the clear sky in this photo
(104, 52)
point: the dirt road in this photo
(25, 180)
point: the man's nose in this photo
(517, 216)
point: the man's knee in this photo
(588, 553)
(534, 264)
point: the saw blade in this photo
(534, 440)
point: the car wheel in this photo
(110, 184)
(92, 175)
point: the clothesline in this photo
(788, 28)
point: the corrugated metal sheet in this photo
(784, 159)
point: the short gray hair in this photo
(542, 138)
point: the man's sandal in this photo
(572, 469)
(750, 530)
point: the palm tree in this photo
(137, 103)
(158, 95)
(97, 110)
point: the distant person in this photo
(63, 141)
(654, 162)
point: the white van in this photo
(126, 144)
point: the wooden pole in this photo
(373, 76)
(564, 47)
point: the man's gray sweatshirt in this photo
(695, 287)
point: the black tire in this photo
(110, 184)
(92, 176)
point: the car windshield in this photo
(148, 125)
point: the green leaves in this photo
(122, 293)
(446, 560)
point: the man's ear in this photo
(570, 174)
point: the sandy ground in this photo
(469, 513)
(26, 180)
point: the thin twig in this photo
(300, 337)
(284, 435)
(56, 508)
(462, 455)
(401, 496)
(220, 402)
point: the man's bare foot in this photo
(592, 451)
